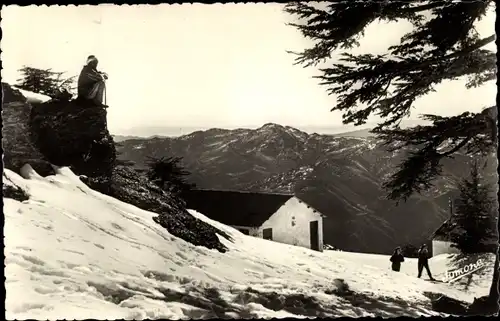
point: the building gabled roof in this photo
(444, 232)
(234, 207)
(309, 206)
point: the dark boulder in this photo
(10, 95)
(129, 186)
(445, 304)
(74, 133)
(484, 306)
(18, 146)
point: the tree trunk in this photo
(487, 305)
(494, 284)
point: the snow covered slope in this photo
(465, 289)
(34, 97)
(73, 253)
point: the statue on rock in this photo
(91, 83)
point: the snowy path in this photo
(73, 253)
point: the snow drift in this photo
(32, 97)
(74, 253)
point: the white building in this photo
(282, 218)
(441, 239)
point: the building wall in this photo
(442, 247)
(290, 224)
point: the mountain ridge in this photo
(177, 131)
(341, 176)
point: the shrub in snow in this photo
(15, 193)
(169, 174)
(341, 287)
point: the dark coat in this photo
(423, 256)
(396, 260)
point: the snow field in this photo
(74, 253)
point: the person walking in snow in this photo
(91, 82)
(397, 258)
(423, 261)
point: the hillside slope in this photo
(74, 133)
(74, 253)
(340, 176)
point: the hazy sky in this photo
(199, 65)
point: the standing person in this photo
(397, 258)
(91, 82)
(423, 261)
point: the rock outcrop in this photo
(74, 133)
(60, 132)
(18, 146)
(131, 187)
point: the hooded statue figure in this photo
(91, 82)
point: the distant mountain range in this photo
(361, 133)
(171, 131)
(119, 138)
(355, 133)
(340, 175)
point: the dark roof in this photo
(445, 230)
(234, 207)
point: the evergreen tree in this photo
(46, 82)
(475, 214)
(169, 174)
(444, 47)
(66, 86)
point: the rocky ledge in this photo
(74, 133)
(18, 147)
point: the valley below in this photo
(339, 175)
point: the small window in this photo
(267, 234)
